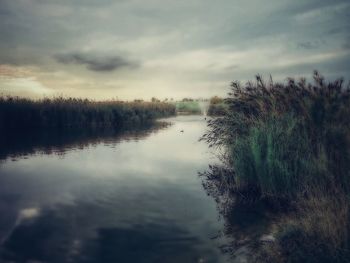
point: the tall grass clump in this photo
(285, 139)
(16, 113)
(259, 158)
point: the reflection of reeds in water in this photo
(58, 141)
(245, 222)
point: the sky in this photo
(137, 49)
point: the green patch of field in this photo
(188, 107)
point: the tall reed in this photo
(284, 139)
(16, 113)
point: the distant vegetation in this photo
(16, 113)
(288, 145)
(217, 107)
(188, 106)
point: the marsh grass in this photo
(282, 139)
(17, 113)
(318, 232)
(287, 146)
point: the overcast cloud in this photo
(142, 48)
(95, 62)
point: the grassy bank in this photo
(17, 113)
(289, 146)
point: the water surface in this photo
(132, 197)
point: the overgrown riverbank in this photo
(18, 113)
(288, 146)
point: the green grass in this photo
(188, 107)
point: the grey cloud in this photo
(346, 45)
(96, 62)
(308, 45)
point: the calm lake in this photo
(131, 197)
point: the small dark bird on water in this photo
(182, 131)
